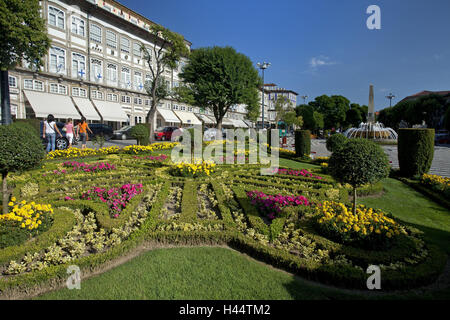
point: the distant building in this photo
(426, 93)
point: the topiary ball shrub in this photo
(302, 143)
(335, 142)
(357, 163)
(415, 151)
(21, 149)
(141, 133)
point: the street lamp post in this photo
(390, 97)
(304, 98)
(263, 66)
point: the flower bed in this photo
(273, 205)
(75, 152)
(193, 170)
(134, 149)
(370, 228)
(24, 221)
(290, 172)
(99, 166)
(437, 183)
(116, 198)
(160, 158)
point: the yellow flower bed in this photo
(27, 215)
(135, 149)
(196, 169)
(435, 180)
(75, 152)
(338, 221)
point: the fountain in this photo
(371, 129)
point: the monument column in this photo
(371, 112)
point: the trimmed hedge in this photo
(302, 143)
(415, 151)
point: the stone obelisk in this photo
(371, 113)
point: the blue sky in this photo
(323, 47)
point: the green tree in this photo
(447, 119)
(164, 54)
(312, 120)
(358, 162)
(291, 119)
(282, 106)
(333, 108)
(219, 78)
(21, 149)
(23, 37)
(354, 117)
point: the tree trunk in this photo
(5, 194)
(5, 105)
(219, 135)
(354, 200)
(151, 121)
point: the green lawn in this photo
(416, 209)
(194, 273)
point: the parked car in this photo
(101, 129)
(442, 137)
(60, 143)
(164, 134)
(123, 133)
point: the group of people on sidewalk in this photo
(51, 129)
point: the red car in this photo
(165, 134)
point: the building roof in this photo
(425, 93)
(276, 89)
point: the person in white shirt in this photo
(50, 129)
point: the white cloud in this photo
(320, 61)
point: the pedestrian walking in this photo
(50, 129)
(69, 131)
(82, 130)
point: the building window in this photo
(126, 99)
(79, 92)
(97, 95)
(78, 66)
(57, 60)
(175, 107)
(58, 88)
(12, 82)
(183, 108)
(31, 84)
(56, 17)
(126, 77)
(96, 33)
(138, 101)
(138, 81)
(137, 49)
(112, 97)
(190, 109)
(111, 39)
(112, 72)
(96, 70)
(147, 102)
(78, 26)
(124, 45)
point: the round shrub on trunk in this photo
(302, 143)
(357, 163)
(415, 151)
(21, 149)
(335, 142)
(141, 133)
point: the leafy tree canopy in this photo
(23, 33)
(219, 78)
